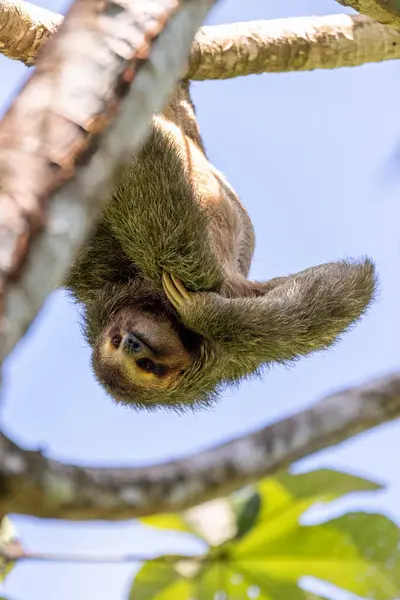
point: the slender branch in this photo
(15, 552)
(73, 123)
(222, 51)
(33, 484)
(384, 11)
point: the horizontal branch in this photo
(283, 45)
(225, 51)
(33, 484)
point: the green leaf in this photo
(328, 552)
(320, 481)
(247, 514)
(211, 580)
(319, 485)
(218, 580)
(158, 580)
(168, 521)
(285, 498)
(225, 582)
(376, 538)
(271, 550)
(357, 552)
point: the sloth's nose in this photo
(132, 344)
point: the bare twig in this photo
(15, 552)
(42, 487)
(58, 131)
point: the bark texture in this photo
(283, 45)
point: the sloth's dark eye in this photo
(146, 364)
(116, 340)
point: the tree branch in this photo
(223, 51)
(75, 121)
(33, 484)
(15, 552)
(283, 45)
(386, 12)
(24, 28)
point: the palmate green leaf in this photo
(286, 497)
(338, 551)
(271, 551)
(333, 552)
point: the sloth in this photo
(167, 305)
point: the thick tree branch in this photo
(24, 28)
(33, 484)
(384, 11)
(223, 51)
(62, 138)
(283, 45)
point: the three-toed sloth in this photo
(168, 308)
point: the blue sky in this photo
(307, 153)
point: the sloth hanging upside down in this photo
(168, 309)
